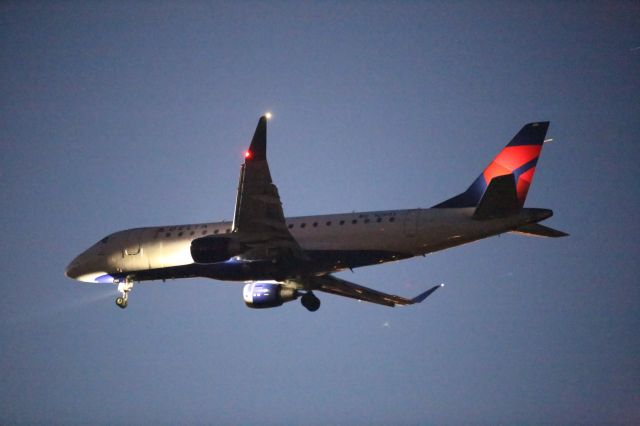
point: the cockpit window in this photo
(104, 240)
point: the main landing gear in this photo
(310, 301)
(124, 287)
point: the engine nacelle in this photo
(213, 249)
(267, 295)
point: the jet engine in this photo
(267, 295)
(213, 249)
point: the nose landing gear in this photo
(124, 287)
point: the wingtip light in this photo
(268, 116)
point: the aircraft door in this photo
(130, 257)
(132, 246)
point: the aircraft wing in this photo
(334, 285)
(258, 219)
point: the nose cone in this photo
(73, 269)
(78, 268)
(88, 268)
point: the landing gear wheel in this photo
(121, 302)
(310, 301)
(124, 288)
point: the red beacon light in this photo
(247, 154)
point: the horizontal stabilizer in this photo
(537, 230)
(499, 200)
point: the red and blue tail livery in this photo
(518, 158)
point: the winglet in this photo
(258, 148)
(426, 294)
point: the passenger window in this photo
(342, 222)
(379, 220)
(329, 223)
(168, 234)
(204, 232)
(216, 231)
(290, 225)
(315, 224)
(392, 219)
(180, 234)
(228, 230)
(366, 221)
(303, 225)
(354, 221)
(192, 232)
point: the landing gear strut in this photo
(310, 301)
(124, 287)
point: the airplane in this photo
(282, 259)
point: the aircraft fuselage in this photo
(331, 242)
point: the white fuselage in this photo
(379, 236)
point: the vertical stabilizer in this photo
(518, 158)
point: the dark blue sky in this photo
(123, 114)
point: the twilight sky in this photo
(122, 114)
